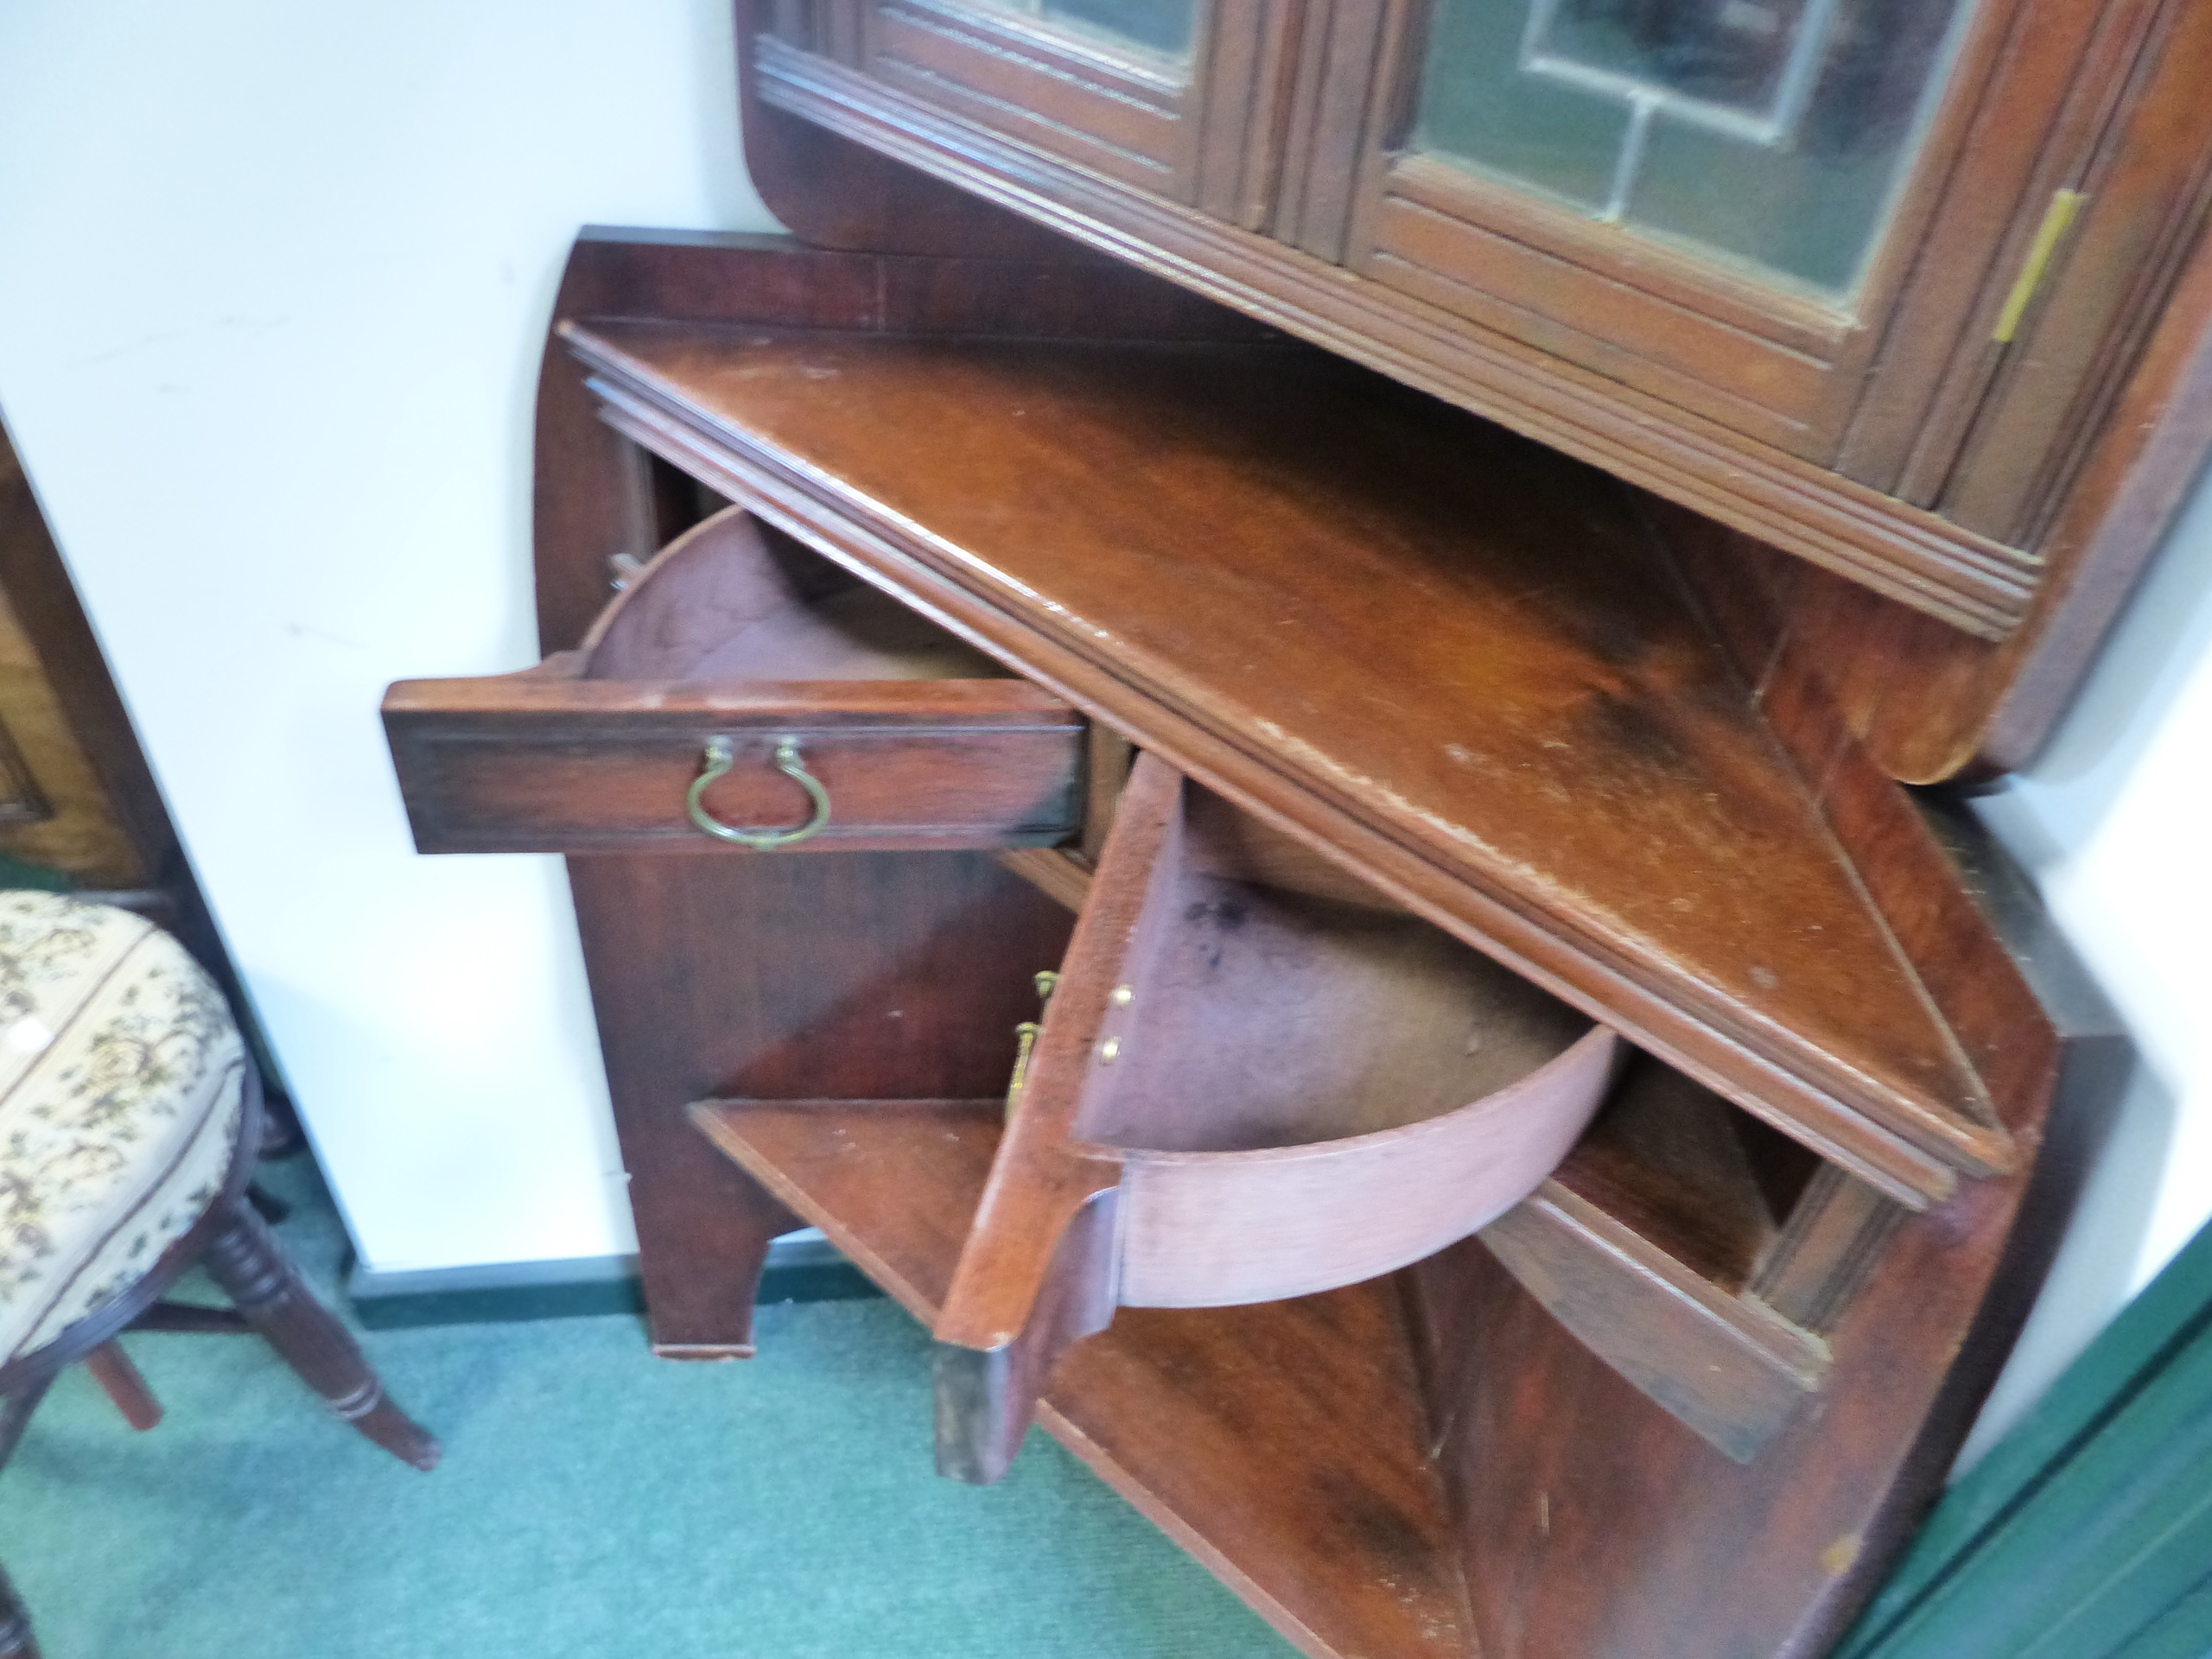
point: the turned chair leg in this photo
(112, 1369)
(251, 1268)
(15, 1625)
(273, 1209)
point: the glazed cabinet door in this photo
(1728, 203)
(1171, 97)
(1706, 199)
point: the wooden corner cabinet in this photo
(1243, 720)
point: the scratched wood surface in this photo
(1406, 622)
(1284, 1445)
(784, 985)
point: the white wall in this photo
(2114, 819)
(273, 279)
(273, 282)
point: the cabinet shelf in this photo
(1283, 1444)
(1398, 632)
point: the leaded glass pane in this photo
(1767, 131)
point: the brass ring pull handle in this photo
(720, 756)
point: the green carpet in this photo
(594, 1502)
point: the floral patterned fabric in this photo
(121, 1094)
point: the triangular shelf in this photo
(1443, 652)
(1283, 1444)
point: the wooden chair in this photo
(129, 1122)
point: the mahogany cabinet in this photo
(1252, 721)
(1531, 1124)
(75, 791)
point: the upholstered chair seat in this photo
(130, 1119)
(121, 1095)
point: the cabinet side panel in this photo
(1779, 619)
(1595, 1524)
(593, 491)
(2051, 66)
(2110, 276)
(857, 975)
(861, 976)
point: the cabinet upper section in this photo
(1868, 280)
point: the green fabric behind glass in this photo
(1808, 208)
(1808, 217)
(1160, 25)
(1700, 49)
(1476, 106)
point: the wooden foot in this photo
(112, 1369)
(750, 1225)
(15, 1625)
(249, 1264)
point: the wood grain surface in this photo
(544, 763)
(1885, 435)
(783, 977)
(1556, 761)
(75, 791)
(1038, 1269)
(1304, 1094)
(921, 742)
(1238, 1095)
(1906, 552)
(1283, 1444)
(1527, 1463)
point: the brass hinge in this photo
(1026, 1035)
(2064, 205)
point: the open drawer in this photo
(1242, 1092)
(742, 693)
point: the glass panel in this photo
(1162, 25)
(1770, 131)
(1732, 55)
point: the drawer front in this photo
(551, 766)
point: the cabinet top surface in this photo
(1458, 639)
